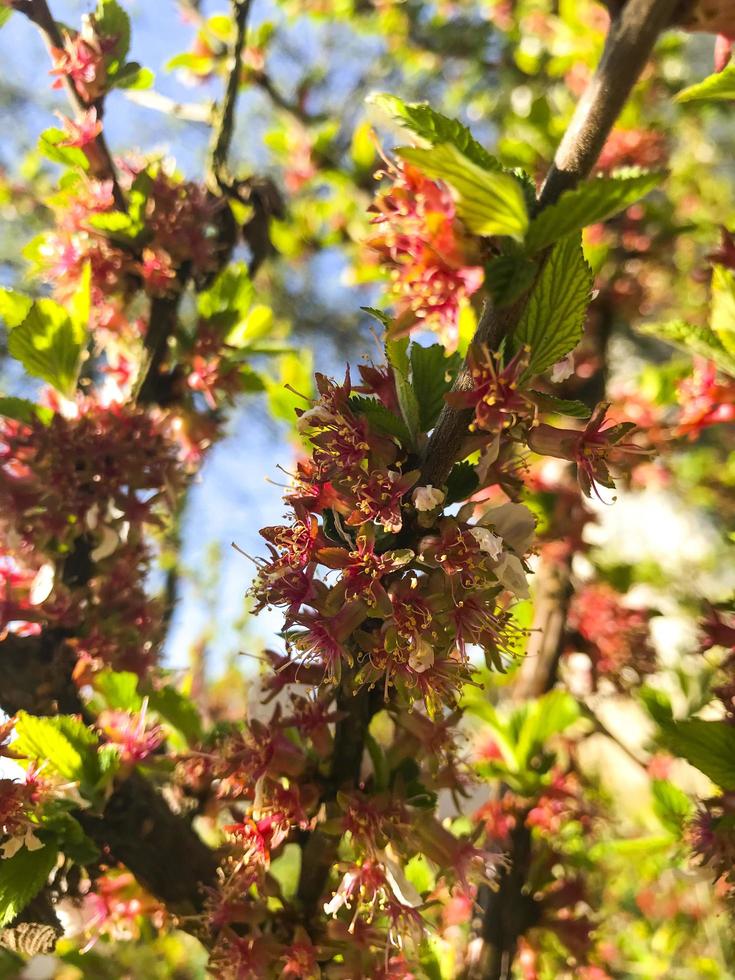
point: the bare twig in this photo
(629, 44)
(201, 113)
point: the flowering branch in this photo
(630, 42)
(225, 123)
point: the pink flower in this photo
(82, 132)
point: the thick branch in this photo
(39, 13)
(629, 44)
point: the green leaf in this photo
(397, 355)
(24, 411)
(380, 418)
(22, 877)
(14, 307)
(178, 711)
(723, 307)
(49, 144)
(548, 715)
(49, 345)
(432, 376)
(72, 840)
(708, 745)
(488, 202)
(507, 277)
(119, 689)
(231, 292)
(378, 315)
(657, 704)
(396, 352)
(594, 201)
(435, 128)
(553, 320)
(572, 408)
(63, 742)
(112, 21)
(116, 224)
(133, 76)
(721, 85)
(80, 305)
(5, 13)
(693, 340)
(671, 805)
(286, 869)
(461, 482)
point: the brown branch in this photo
(38, 12)
(629, 44)
(225, 125)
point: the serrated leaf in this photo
(720, 85)
(24, 411)
(553, 320)
(378, 315)
(72, 840)
(461, 482)
(708, 745)
(723, 307)
(435, 128)
(380, 418)
(671, 805)
(49, 345)
(432, 375)
(488, 202)
(231, 292)
(693, 340)
(570, 407)
(657, 704)
(22, 877)
(596, 200)
(14, 307)
(63, 743)
(548, 715)
(507, 277)
(408, 405)
(396, 352)
(112, 21)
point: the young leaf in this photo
(547, 716)
(553, 320)
(594, 201)
(119, 689)
(435, 128)
(49, 345)
(49, 145)
(721, 85)
(671, 805)
(507, 277)
(14, 307)
(112, 21)
(723, 307)
(231, 292)
(489, 202)
(693, 340)
(708, 745)
(432, 375)
(572, 408)
(63, 742)
(22, 877)
(378, 315)
(133, 76)
(461, 482)
(178, 711)
(24, 411)
(380, 418)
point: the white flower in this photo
(312, 416)
(422, 657)
(511, 575)
(42, 585)
(107, 545)
(563, 369)
(427, 498)
(514, 523)
(399, 883)
(490, 543)
(339, 898)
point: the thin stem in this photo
(225, 121)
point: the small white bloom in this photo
(421, 657)
(427, 498)
(563, 369)
(490, 543)
(312, 416)
(511, 576)
(514, 523)
(92, 516)
(42, 585)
